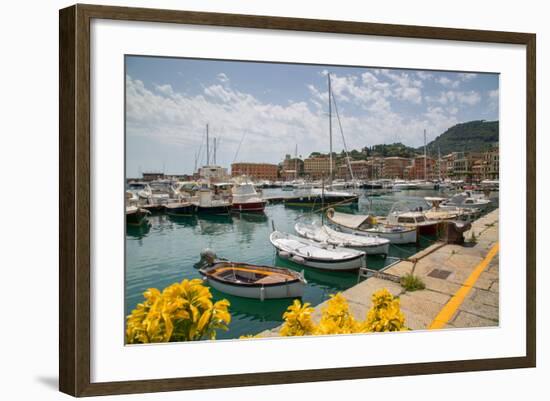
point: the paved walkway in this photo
(462, 284)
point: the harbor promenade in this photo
(462, 283)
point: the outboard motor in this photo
(208, 258)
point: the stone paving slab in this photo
(465, 319)
(485, 297)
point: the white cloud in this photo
(424, 75)
(222, 77)
(493, 94)
(452, 97)
(471, 98)
(163, 114)
(165, 89)
(466, 76)
(449, 83)
(404, 87)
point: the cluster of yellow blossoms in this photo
(185, 312)
(336, 318)
(181, 312)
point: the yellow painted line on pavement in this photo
(447, 312)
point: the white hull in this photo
(382, 249)
(369, 245)
(354, 264)
(313, 254)
(404, 237)
(292, 290)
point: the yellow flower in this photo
(297, 320)
(181, 312)
(336, 318)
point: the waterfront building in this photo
(478, 170)
(429, 173)
(375, 167)
(463, 165)
(291, 168)
(213, 173)
(394, 167)
(256, 171)
(491, 164)
(181, 177)
(409, 172)
(152, 176)
(447, 165)
(358, 167)
(293, 163)
(318, 167)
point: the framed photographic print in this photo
(279, 200)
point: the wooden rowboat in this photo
(252, 281)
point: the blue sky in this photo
(275, 107)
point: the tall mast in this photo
(214, 160)
(439, 161)
(207, 147)
(296, 162)
(425, 158)
(330, 128)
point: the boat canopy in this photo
(349, 220)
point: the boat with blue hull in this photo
(318, 197)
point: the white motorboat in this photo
(401, 215)
(252, 281)
(325, 234)
(367, 225)
(313, 254)
(425, 185)
(436, 212)
(492, 185)
(246, 199)
(402, 185)
(141, 190)
(467, 199)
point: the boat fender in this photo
(298, 259)
(284, 254)
(262, 293)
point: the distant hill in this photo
(477, 136)
(392, 149)
(471, 136)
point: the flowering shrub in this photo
(181, 312)
(336, 318)
(298, 320)
(385, 313)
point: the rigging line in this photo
(239, 147)
(343, 138)
(200, 155)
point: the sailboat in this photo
(426, 184)
(310, 196)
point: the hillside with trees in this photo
(477, 136)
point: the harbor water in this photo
(166, 251)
